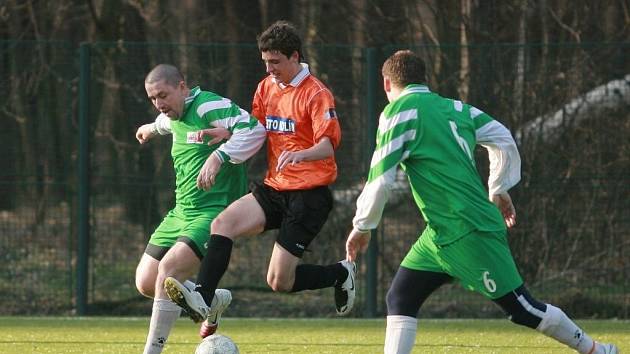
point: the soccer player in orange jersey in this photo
(303, 131)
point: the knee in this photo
(145, 286)
(279, 285)
(391, 300)
(401, 304)
(222, 225)
(165, 269)
(525, 318)
(522, 308)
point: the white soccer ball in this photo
(217, 344)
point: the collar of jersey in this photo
(414, 88)
(301, 75)
(191, 97)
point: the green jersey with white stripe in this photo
(433, 139)
(203, 110)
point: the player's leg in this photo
(281, 270)
(243, 217)
(303, 214)
(524, 310)
(162, 239)
(193, 246)
(180, 262)
(146, 273)
(408, 291)
(419, 275)
(286, 275)
(483, 262)
(163, 310)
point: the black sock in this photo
(213, 266)
(312, 277)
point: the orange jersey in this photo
(296, 117)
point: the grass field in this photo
(126, 335)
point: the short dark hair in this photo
(404, 67)
(164, 72)
(281, 36)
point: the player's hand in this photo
(504, 203)
(208, 172)
(216, 135)
(357, 242)
(145, 133)
(289, 157)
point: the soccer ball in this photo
(217, 344)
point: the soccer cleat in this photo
(345, 292)
(191, 301)
(609, 348)
(220, 302)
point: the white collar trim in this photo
(297, 80)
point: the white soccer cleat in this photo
(609, 348)
(220, 302)
(191, 301)
(345, 292)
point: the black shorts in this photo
(299, 214)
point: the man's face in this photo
(282, 69)
(166, 98)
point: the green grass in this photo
(127, 335)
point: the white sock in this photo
(400, 335)
(163, 317)
(557, 325)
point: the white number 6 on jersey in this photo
(461, 141)
(488, 282)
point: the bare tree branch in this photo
(574, 33)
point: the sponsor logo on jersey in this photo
(193, 138)
(280, 125)
(330, 114)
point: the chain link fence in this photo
(573, 202)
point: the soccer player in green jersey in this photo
(433, 138)
(208, 176)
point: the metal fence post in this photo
(84, 181)
(371, 279)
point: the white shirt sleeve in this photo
(505, 161)
(372, 200)
(162, 124)
(244, 142)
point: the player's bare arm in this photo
(216, 135)
(322, 150)
(505, 205)
(211, 167)
(145, 133)
(208, 172)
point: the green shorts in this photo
(191, 227)
(481, 261)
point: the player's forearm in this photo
(505, 168)
(162, 125)
(247, 138)
(505, 161)
(320, 151)
(372, 200)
